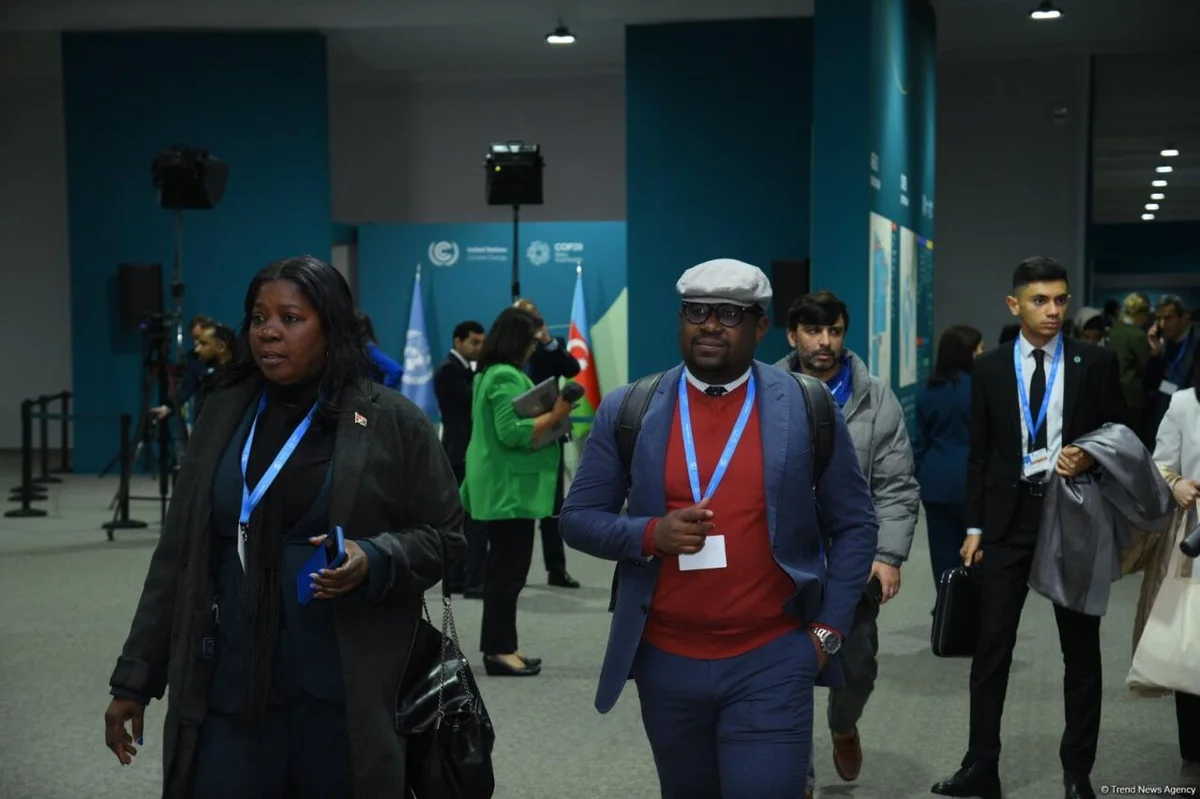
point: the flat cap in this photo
(725, 280)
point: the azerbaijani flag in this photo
(579, 344)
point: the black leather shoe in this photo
(979, 780)
(1078, 787)
(531, 662)
(562, 580)
(495, 667)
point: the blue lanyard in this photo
(689, 445)
(250, 499)
(1025, 409)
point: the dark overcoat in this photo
(392, 486)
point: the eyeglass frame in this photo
(712, 308)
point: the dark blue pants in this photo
(946, 526)
(737, 728)
(301, 751)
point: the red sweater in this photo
(718, 613)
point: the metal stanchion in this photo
(121, 520)
(26, 492)
(43, 403)
(65, 443)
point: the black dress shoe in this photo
(1078, 787)
(531, 662)
(980, 780)
(495, 667)
(562, 580)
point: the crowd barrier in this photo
(32, 488)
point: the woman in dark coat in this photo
(270, 697)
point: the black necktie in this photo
(1037, 392)
(715, 391)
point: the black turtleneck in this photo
(300, 481)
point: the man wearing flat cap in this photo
(732, 600)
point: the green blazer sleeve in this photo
(499, 387)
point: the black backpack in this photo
(818, 402)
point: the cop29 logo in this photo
(538, 253)
(443, 253)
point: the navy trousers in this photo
(736, 728)
(301, 751)
(946, 525)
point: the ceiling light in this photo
(1151, 206)
(1158, 183)
(1170, 152)
(561, 35)
(1147, 217)
(1158, 196)
(1045, 10)
(1165, 169)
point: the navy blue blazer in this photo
(828, 583)
(944, 440)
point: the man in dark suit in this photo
(452, 385)
(551, 359)
(1029, 401)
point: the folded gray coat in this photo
(1085, 520)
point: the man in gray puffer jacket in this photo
(817, 326)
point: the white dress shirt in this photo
(1054, 413)
(703, 387)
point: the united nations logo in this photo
(443, 253)
(538, 253)
(417, 361)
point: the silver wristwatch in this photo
(831, 642)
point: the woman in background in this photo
(390, 373)
(508, 483)
(943, 441)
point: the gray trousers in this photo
(846, 703)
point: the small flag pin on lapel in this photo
(1078, 359)
(360, 419)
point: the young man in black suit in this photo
(452, 385)
(1029, 402)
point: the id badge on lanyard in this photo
(250, 499)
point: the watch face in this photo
(832, 643)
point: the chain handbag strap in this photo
(449, 643)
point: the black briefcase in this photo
(956, 616)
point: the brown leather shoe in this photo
(847, 754)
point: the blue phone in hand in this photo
(329, 555)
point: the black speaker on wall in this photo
(139, 293)
(514, 174)
(789, 279)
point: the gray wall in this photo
(1011, 182)
(35, 304)
(415, 152)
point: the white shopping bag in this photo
(1168, 654)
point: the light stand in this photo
(177, 287)
(514, 178)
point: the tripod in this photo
(157, 373)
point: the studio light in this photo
(1045, 10)
(1158, 196)
(1170, 152)
(1159, 184)
(561, 35)
(1165, 169)
(1147, 217)
(1151, 206)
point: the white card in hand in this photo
(1167, 387)
(712, 556)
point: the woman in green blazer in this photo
(508, 484)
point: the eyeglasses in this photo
(728, 314)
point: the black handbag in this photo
(956, 616)
(440, 712)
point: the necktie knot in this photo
(1039, 356)
(715, 391)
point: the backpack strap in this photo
(629, 416)
(819, 404)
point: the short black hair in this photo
(1038, 269)
(463, 330)
(346, 361)
(509, 339)
(200, 320)
(955, 353)
(818, 308)
(1175, 301)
